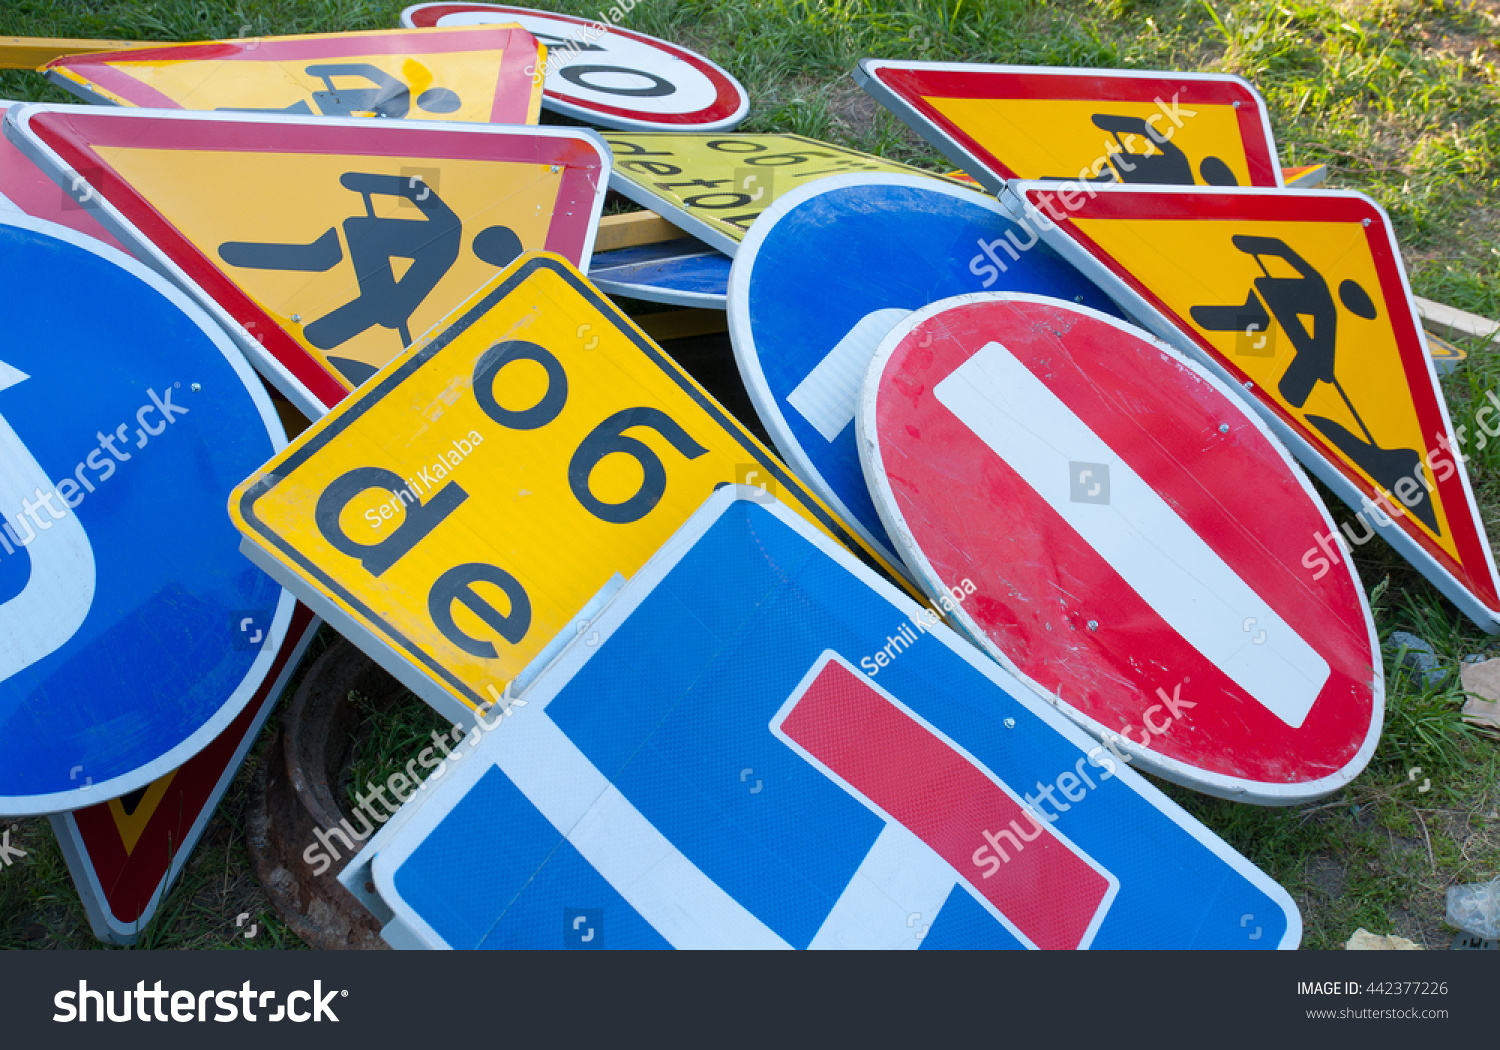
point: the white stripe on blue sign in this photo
(829, 396)
(669, 891)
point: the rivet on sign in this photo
(1093, 625)
(1078, 298)
(555, 168)
(1236, 103)
(296, 318)
(1223, 428)
(1010, 723)
(197, 387)
(1364, 222)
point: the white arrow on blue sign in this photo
(760, 743)
(828, 270)
(131, 629)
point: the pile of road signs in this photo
(1056, 396)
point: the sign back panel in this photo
(456, 521)
(125, 415)
(1108, 125)
(325, 245)
(761, 789)
(1128, 539)
(1299, 298)
(682, 272)
(476, 73)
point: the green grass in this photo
(1400, 99)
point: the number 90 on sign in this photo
(463, 506)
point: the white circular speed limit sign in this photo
(607, 75)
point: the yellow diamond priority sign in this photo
(457, 513)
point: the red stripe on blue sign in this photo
(1040, 883)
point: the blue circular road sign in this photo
(131, 628)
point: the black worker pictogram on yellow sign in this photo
(327, 245)
(468, 73)
(1091, 125)
(1299, 298)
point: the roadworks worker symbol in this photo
(332, 243)
(471, 73)
(1300, 297)
(430, 244)
(466, 503)
(1005, 122)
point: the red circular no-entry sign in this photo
(1127, 538)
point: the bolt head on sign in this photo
(475, 73)
(762, 789)
(1131, 556)
(1299, 298)
(391, 226)
(457, 512)
(122, 593)
(607, 75)
(1097, 125)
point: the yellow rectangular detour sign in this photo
(716, 185)
(467, 502)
